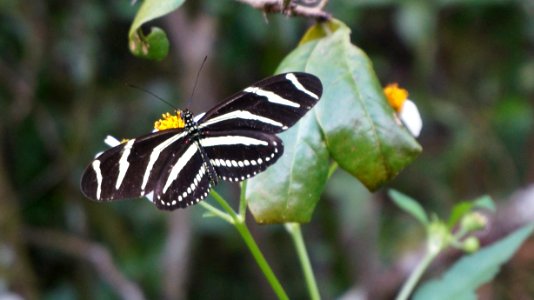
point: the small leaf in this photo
(472, 271)
(462, 208)
(319, 31)
(484, 202)
(409, 205)
(156, 45)
(458, 211)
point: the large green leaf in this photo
(352, 118)
(289, 190)
(360, 130)
(155, 45)
(470, 272)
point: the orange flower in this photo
(396, 96)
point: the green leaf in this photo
(352, 122)
(462, 208)
(155, 46)
(289, 190)
(484, 202)
(409, 205)
(472, 271)
(358, 123)
(458, 211)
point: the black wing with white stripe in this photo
(237, 155)
(184, 182)
(271, 105)
(133, 168)
(233, 141)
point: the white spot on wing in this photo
(150, 196)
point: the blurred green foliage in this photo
(469, 65)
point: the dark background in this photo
(469, 65)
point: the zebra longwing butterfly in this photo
(233, 141)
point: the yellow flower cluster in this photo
(169, 121)
(395, 95)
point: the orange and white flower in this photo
(405, 110)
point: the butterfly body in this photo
(233, 141)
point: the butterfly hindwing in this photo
(237, 155)
(184, 182)
(271, 105)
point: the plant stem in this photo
(260, 260)
(410, 284)
(243, 200)
(239, 222)
(216, 212)
(296, 234)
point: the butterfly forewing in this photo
(240, 154)
(271, 105)
(132, 168)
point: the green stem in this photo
(224, 205)
(296, 234)
(410, 284)
(243, 200)
(260, 260)
(239, 222)
(217, 212)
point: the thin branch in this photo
(298, 241)
(241, 226)
(291, 9)
(97, 255)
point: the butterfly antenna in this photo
(196, 81)
(151, 94)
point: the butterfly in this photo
(177, 165)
